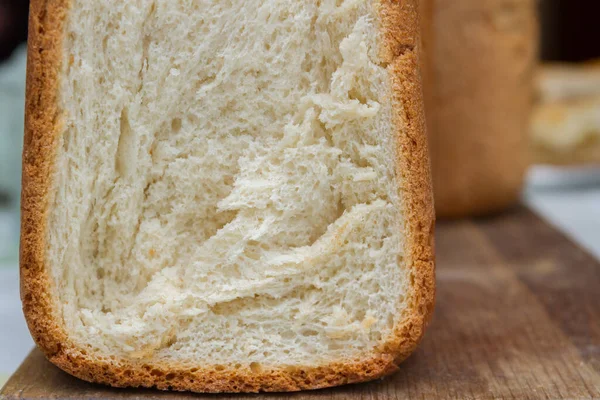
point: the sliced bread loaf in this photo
(226, 195)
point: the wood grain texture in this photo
(518, 317)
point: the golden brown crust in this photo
(41, 129)
(400, 25)
(413, 169)
(481, 58)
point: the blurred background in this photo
(567, 191)
(562, 181)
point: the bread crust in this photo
(399, 22)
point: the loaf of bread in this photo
(565, 125)
(480, 57)
(226, 196)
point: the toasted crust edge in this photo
(399, 23)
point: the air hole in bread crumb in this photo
(170, 376)
(171, 341)
(156, 372)
(255, 367)
(354, 94)
(176, 125)
(217, 368)
(228, 180)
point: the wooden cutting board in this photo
(517, 317)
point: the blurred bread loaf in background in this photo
(480, 57)
(565, 126)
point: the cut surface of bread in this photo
(226, 195)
